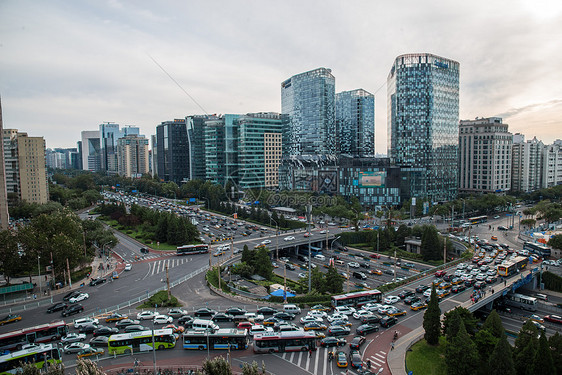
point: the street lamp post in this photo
(332, 242)
(39, 270)
(276, 237)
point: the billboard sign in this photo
(372, 179)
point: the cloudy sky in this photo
(67, 66)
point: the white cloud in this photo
(68, 66)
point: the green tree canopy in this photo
(501, 359)
(432, 319)
(460, 354)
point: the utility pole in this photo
(309, 209)
(347, 274)
(395, 261)
(445, 250)
(284, 282)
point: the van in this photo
(204, 325)
(340, 262)
(541, 296)
(292, 309)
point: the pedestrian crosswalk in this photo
(154, 268)
(319, 364)
(148, 257)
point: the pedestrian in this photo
(492, 290)
(504, 282)
(309, 352)
(392, 345)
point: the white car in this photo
(128, 267)
(353, 264)
(361, 313)
(145, 315)
(258, 328)
(163, 319)
(337, 316)
(390, 300)
(75, 347)
(80, 297)
(289, 238)
(79, 323)
(384, 308)
(372, 307)
(254, 318)
(310, 319)
(324, 231)
(73, 337)
(317, 314)
(346, 310)
(266, 242)
(427, 293)
(319, 257)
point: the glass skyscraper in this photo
(172, 151)
(423, 121)
(309, 101)
(355, 123)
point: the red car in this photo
(245, 325)
(375, 256)
(440, 273)
(553, 319)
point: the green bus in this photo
(126, 343)
(41, 356)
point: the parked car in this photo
(73, 337)
(75, 347)
(357, 342)
(105, 331)
(146, 315)
(126, 322)
(364, 329)
(163, 319)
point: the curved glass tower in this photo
(423, 121)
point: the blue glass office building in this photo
(423, 121)
(355, 123)
(309, 101)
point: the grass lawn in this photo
(427, 360)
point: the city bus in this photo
(357, 299)
(40, 334)
(126, 343)
(535, 248)
(192, 249)
(522, 301)
(41, 356)
(510, 267)
(478, 219)
(224, 338)
(287, 341)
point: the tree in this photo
(501, 359)
(318, 280)
(465, 315)
(334, 281)
(525, 348)
(555, 241)
(262, 263)
(485, 344)
(494, 325)
(10, 260)
(460, 354)
(431, 320)
(430, 248)
(216, 366)
(543, 363)
(555, 344)
(247, 255)
(87, 367)
(451, 324)
(253, 369)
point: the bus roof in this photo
(157, 332)
(518, 295)
(19, 353)
(357, 294)
(32, 329)
(284, 334)
(218, 332)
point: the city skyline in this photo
(70, 66)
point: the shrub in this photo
(160, 299)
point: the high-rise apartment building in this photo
(215, 154)
(355, 123)
(4, 213)
(272, 151)
(527, 160)
(91, 151)
(62, 158)
(196, 135)
(153, 156)
(552, 165)
(484, 156)
(172, 151)
(132, 156)
(423, 121)
(26, 171)
(309, 101)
